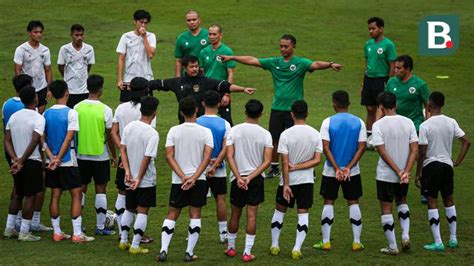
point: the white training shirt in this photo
(438, 133)
(250, 141)
(300, 143)
(141, 140)
(76, 64)
(189, 141)
(126, 113)
(396, 132)
(22, 124)
(108, 125)
(33, 61)
(137, 63)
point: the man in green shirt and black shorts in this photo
(288, 72)
(191, 41)
(380, 54)
(212, 66)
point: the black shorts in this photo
(279, 121)
(65, 178)
(218, 185)
(225, 112)
(76, 98)
(437, 177)
(371, 89)
(29, 180)
(195, 197)
(99, 170)
(120, 177)
(143, 197)
(352, 190)
(387, 191)
(125, 94)
(253, 196)
(42, 97)
(302, 194)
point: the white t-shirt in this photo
(396, 132)
(300, 143)
(22, 124)
(33, 61)
(76, 64)
(438, 133)
(250, 141)
(108, 125)
(137, 63)
(126, 113)
(189, 141)
(141, 140)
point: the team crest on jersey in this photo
(203, 42)
(292, 67)
(369, 49)
(394, 89)
(219, 59)
(186, 43)
(196, 88)
(380, 51)
(412, 90)
(42, 56)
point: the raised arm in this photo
(246, 60)
(320, 65)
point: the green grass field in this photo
(326, 30)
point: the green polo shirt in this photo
(188, 44)
(211, 63)
(378, 56)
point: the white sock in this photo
(327, 218)
(167, 231)
(389, 229)
(55, 222)
(127, 219)
(119, 209)
(355, 218)
(249, 240)
(83, 200)
(35, 221)
(277, 224)
(18, 218)
(301, 230)
(193, 234)
(77, 226)
(222, 230)
(404, 217)
(25, 226)
(433, 218)
(452, 221)
(139, 229)
(100, 209)
(231, 240)
(11, 218)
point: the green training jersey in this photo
(411, 97)
(188, 44)
(91, 136)
(378, 56)
(287, 79)
(212, 63)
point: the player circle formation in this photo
(74, 142)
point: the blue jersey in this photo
(219, 128)
(57, 121)
(10, 107)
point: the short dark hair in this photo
(34, 24)
(77, 27)
(437, 99)
(290, 38)
(138, 89)
(21, 81)
(187, 106)
(341, 98)
(148, 105)
(253, 108)
(192, 11)
(58, 88)
(95, 83)
(141, 14)
(185, 61)
(212, 98)
(387, 99)
(407, 61)
(219, 28)
(378, 21)
(28, 95)
(299, 109)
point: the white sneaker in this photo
(41, 228)
(390, 251)
(10, 233)
(28, 237)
